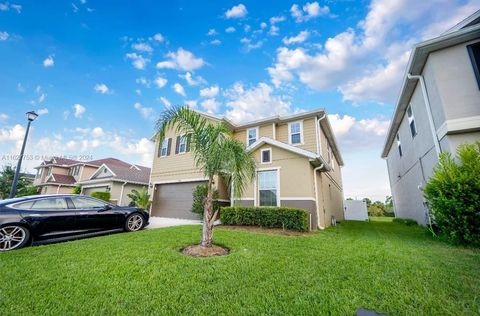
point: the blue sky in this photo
(101, 71)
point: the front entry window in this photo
(268, 187)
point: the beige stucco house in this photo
(61, 175)
(437, 110)
(298, 165)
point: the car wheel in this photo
(135, 222)
(13, 237)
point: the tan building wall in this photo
(86, 173)
(60, 170)
(54, 189)
(116, 195)
(309, 131)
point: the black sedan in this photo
(40, 217)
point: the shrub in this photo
(270, 217)
(453, 195)
(76, 189)
(101, 195)
(140, 198)
(199, 196)
(405, 221)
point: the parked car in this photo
(40, 217)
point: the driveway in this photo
(159, 222)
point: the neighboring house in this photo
(437, 110)
(298, 165)
(61, 175)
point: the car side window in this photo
(84, 203)
(23, 205)
(50, 204)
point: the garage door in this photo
(174, 200)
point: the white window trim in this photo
(411, 119)
(290, 133)
(256, 134)
(257, 187)
(166, 148)
(183, 136)
(261, 156)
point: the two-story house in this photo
(61, 175)
(298, 165)
(437, 110)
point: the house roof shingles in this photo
(130, 173)
(61, 179)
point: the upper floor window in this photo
(181, 144)
(474, 52)
(399, 145)
(266, 155)
(164, 149)
(330, 157)
(295, 133)
(411, 121)
(252, 135)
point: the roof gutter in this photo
(420, 78)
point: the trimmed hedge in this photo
(270, 217)
(101, 195)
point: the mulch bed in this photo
(199, 251)
(273, 231)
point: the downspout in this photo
(315, 186)
(429, 111)
(319, 135)
(121, 193)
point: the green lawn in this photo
(388, 267)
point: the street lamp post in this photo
(31, 116)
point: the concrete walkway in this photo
(159, 222)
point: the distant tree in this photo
(368, 201)
(27, 190)
(6, 179)
(377, 208)
(389, 206)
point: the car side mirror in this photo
(107, 207)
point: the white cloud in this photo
(251, 104)
(191, 103)
(160, 82)
(142, 47)
(3, 117)
(97, 132)
(238, 11)
(308, 11)
(12, 134)
(274, 30)
(277, 19)
(249, 45)
(215, 42)
(41, 98)
(102, 88)
(191, 80)
(7, 6)
(178, 88)
(210, 105)
(142, 148)
(230, 29)
(42, 111)
(159, 37)
(79, 110)
(4, 36)
(246, 28)
(212, 32)
(16, 7)
(181, 60)
(300, 38)
(4, 6)
(210, 92)
(138, 61)
(143, 81)
(146, 112)
(263, 25)
(166, 102)
(48, 62)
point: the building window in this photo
(266, 155)
(399, 146)
(268, 188)
(181, 144)
(164, 149)
(474, 52)
(252, 135)
(411, 121)
(295, 133)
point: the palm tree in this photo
(215, 152)
(140, 198)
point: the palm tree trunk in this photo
(207, 231)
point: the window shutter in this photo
(189, 137)
(177, 144)
(159, 153)
(169, 146)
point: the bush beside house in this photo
(101, 195)
(453, 195)
(269, 217)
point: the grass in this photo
(381, 218)
(388, 267)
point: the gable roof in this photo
(122, 171)
(313, 157)
(465, 31)
(57, 178)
